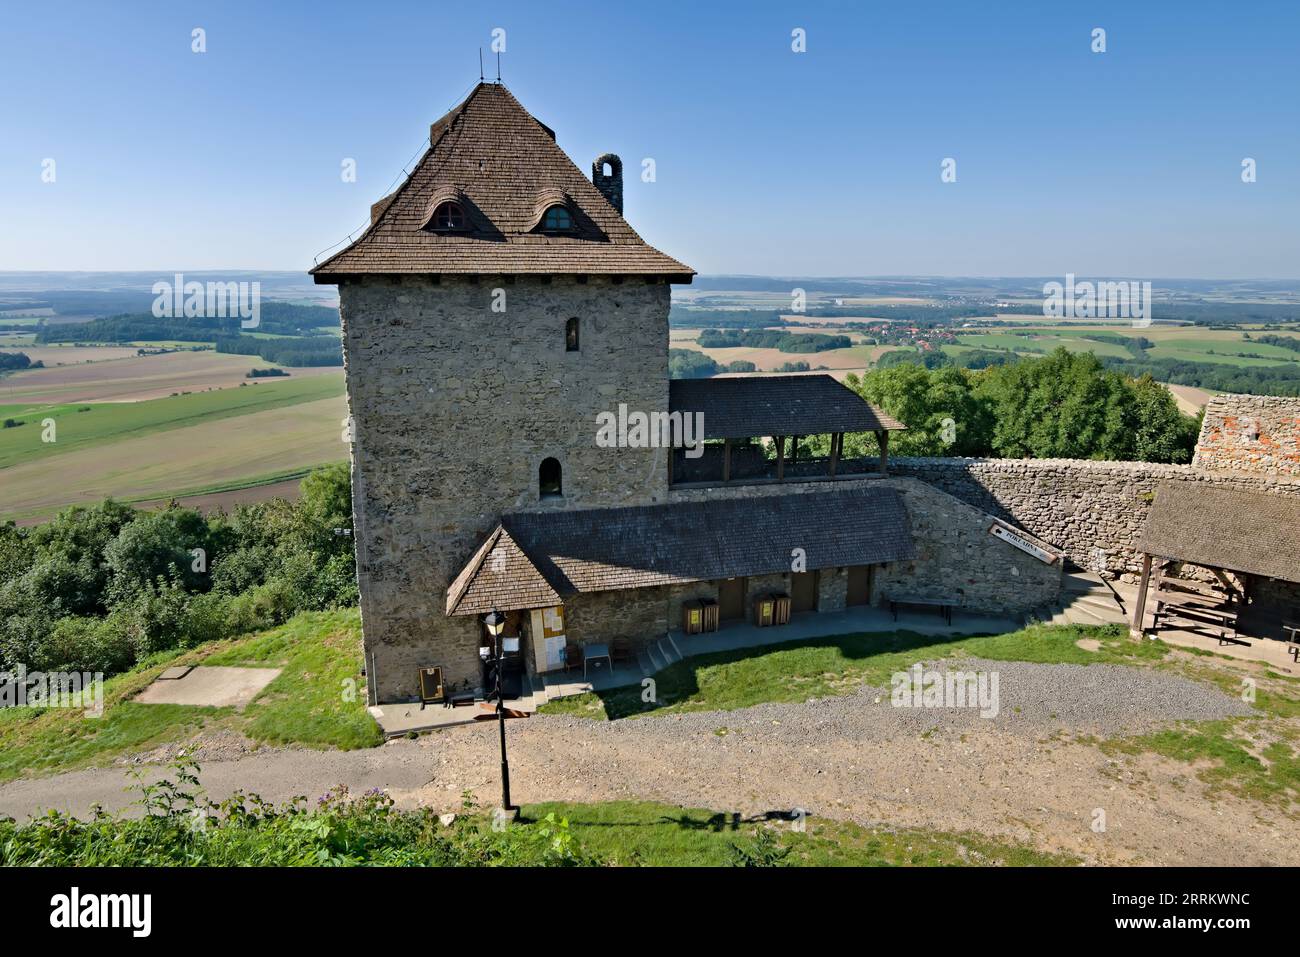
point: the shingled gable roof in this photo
(1220, 528)
(499, 575)
(607, 549)
(776, 405)
(504, 163)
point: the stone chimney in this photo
(610, 184)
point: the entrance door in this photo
(859, 586)
(731, 599)
(803, 591)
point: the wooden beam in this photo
(1140, 606)
(780, 458)
(837, 439)
(726, 460)
(882, 436)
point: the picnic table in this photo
(944, 605)
(595, 651)
(1292, 630)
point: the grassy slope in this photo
(306, 704)
(85, 425)
(638, 832)
(822, 667)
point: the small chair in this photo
(573, 657)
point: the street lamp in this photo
(495, 623)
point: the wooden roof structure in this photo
(504, 169)
(749, 406)
(1250, 532)
(535, 559)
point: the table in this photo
(1292, 629)
(945, 606)
(593, 652)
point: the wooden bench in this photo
(944, 605)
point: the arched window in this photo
(548, 479)
(557, 219)
(448, 216)
(571, 335)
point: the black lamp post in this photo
(495, 623)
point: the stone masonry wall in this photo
(454, 407)
(1094, 511)
(1250, 433)
(956, 553)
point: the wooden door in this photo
(731, 599)
(859, 585)
(803, 591)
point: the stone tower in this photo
(495, 305)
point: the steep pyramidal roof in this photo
(503, 168)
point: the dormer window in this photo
(448, 217)
(557, 219)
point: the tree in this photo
(938, 406)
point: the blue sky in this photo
(1123, 163)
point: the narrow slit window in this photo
(571, 336)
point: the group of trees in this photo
(771, 339)
(278, 318)
(1064, 405)
(13, 361)
(300, 351)
(102, 587)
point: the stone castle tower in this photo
(495, 305)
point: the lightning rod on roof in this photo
(498, 68)
(480, 64)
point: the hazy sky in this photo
(827, 162)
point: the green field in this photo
(1183, 343)
(85, 425)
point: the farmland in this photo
(134, 379)
(225, 449)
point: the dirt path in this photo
(1021, 776)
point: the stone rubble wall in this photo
(1259, 434)
(1094, 511)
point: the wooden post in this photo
(794, 449)
(882, 436)
(837, 439)
(780, 458)
(726, 460)
(1140, 606)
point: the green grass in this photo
(629, 833)
(1224, 758)
(309, 703)
(837, 665)
(319, 698)
(106, 422)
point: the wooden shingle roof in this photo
(503, 167)
(606, 549)
(750, 406)
(1222, 528)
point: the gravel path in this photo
(1017, 775)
